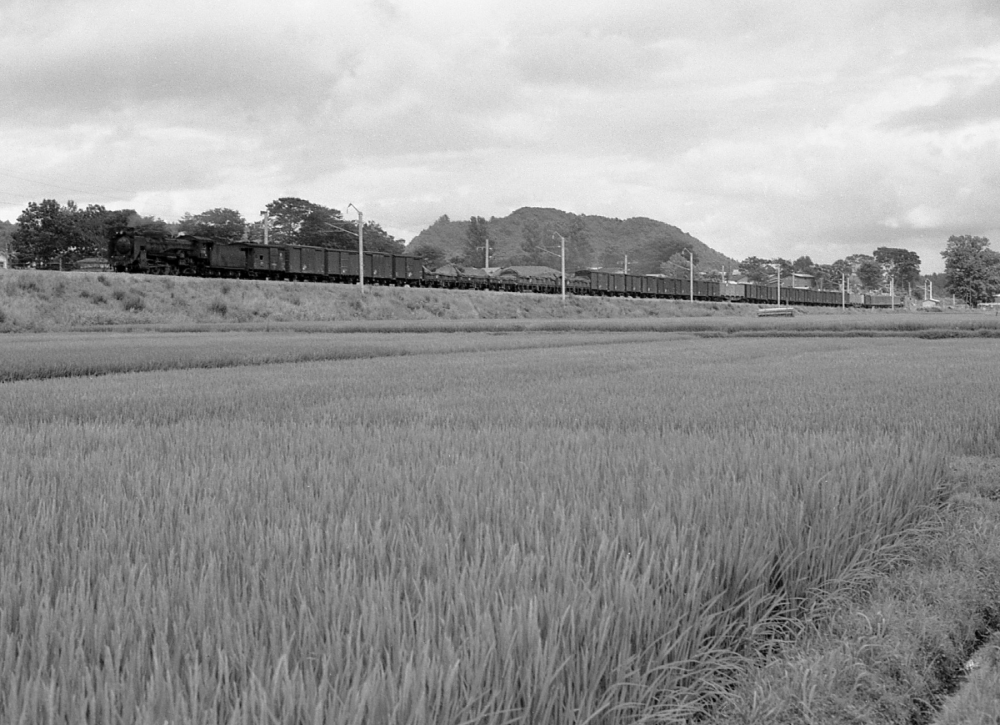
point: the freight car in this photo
(155, 253)
(152, 252)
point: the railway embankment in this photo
(51, 301)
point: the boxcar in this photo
(227, 257)
(633, 284)
(732, 290)
(705, 290)
(405, 268)
(382, 267)
(265, 260)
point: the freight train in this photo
(157, 253)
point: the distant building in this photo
(797, 280)
(3, 260)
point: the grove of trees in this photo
(49, 234)
(865, 272)
(296, 221)
(972, 269)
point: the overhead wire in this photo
(78, 190)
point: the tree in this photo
(286, 217)
(379, 240)
(841, 268)
(901, 265)
(786, 265)
(679, 266)
(433, 257)
(870, 274)
(971, 268)
(221, 224)
(804, 265)
(757, 270)
(476, 239)
(49, 234)
(297, 221)
(863, 267)
(533, 245)
(41, 234)
(654, 254)
(826, 276)
(324, 227)
(579, 250)
(541, 244)
(613, 257)
(855, 260)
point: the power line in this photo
(114, 192)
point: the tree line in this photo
(53, 235)
(972, 270)
(885, 267)
(49, 234)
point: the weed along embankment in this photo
(33, 301)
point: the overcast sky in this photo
(768, 128)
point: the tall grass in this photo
(548, 535)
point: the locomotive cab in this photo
(126, 253)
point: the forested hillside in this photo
(531, 236)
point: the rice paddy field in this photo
(450, 528)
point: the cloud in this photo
(761, 127)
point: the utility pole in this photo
(778, 265)
(843, 291)
(487, 258)
(691, 270)
(267, 218)
(562, 245)
(361, 248)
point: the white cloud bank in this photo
(764, 128)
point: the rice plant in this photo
(570, 534)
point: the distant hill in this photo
(527, 236)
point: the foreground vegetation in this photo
(606, 533)
(914, 640)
